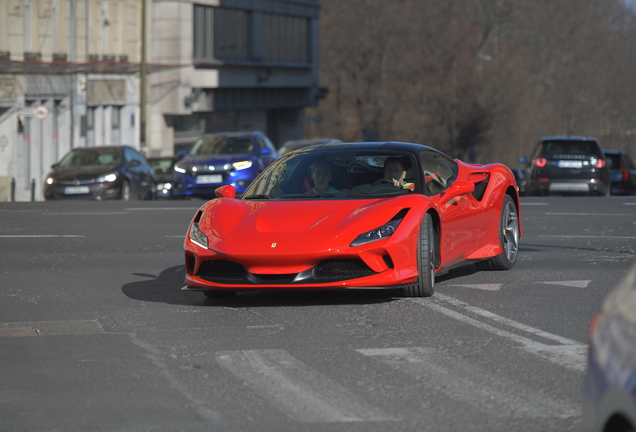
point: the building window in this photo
(90, 119)
(221, 33)
(285, 39)
(115, 117)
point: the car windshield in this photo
(91, 156)
(562, 148)
(341, 173)
(214, 145)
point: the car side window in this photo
(439, 171)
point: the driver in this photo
(395, 170)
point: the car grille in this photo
(337, 270)
(222, 271)
(76, 182)
(229, 272)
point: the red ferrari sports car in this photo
(355, 216)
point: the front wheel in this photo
(424, 285)
(125, 191)
(508, 239)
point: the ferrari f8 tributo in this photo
(355, 216)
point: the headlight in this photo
(107, 178)
(379, 233)
(166, 186)
(197, 237)
(242, 165)
(179, 169)
(50, 180)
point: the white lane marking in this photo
(460, 380)
(588, 236)
(629, 203)
(589, 214)
(485, 287)
(572, 283)
(200, 405)
(300, 392)
(40, 236)
(570, 353)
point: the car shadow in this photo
(166, 288)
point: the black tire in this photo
(216, 294)
(424, 285)
(508, 239)
(125, 191)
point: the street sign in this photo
(41, 112)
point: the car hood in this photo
(214, 159)
(82, 172)
(240, 220)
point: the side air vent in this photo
(481, 183)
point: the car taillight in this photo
(625, 172)
(600, 163)
(540, 162)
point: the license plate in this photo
(570, 164)
(71, 190)
(214, 178)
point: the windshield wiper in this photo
(263, 196)
(308, 195)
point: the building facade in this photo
(70, 76)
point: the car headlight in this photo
(166, 186)
(197, 237)
(180, 169)
(376, 234)
(242, 165)
(50, 180)
(111, 177)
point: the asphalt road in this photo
(96, 335)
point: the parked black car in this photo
(164, 168)
(107, 172)
(568, 165)
(622, 172)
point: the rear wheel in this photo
(424, 285)
(508, 239)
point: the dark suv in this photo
(568, 165)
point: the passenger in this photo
(321, 174)
(395, 170)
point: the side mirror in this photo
(182, 154)
(227, 191)
(523, 160)
(459, 187)
(134, 163)
(266, 150)
(55, 165)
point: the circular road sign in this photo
(41, 112)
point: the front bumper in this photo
(574, 187)
(185, 185)
(94, 191)
(384, 264)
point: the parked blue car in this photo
(219, 159)
(610, 379)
